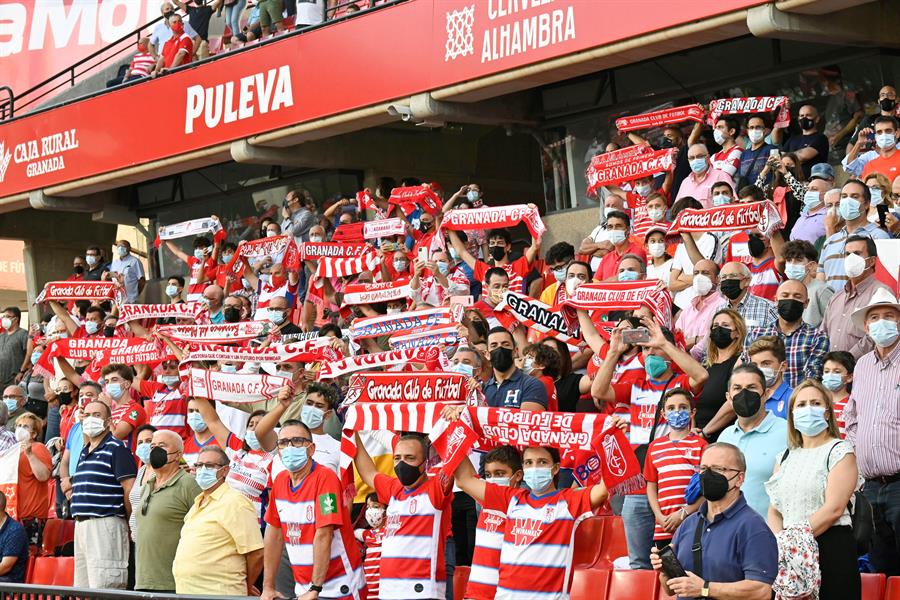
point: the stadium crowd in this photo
(348, 399)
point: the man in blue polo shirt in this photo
(100, 487)
(758, 433)
(13, 547)
(510, 387)
(738, 554)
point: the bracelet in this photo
(684, 512)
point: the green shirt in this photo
(160, 529)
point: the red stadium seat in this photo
(633, 585)
(65, 571)
(872, 586)
(460, 580)
(588, 542)
(614, 544)
(29, 568)
(53, 534)
(44, 570)
(589, 584)
(892, 592)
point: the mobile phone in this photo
(389, 247)
(670, 564)
(639, 335)
(774, 153)
(423, 254)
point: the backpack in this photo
(862, 520)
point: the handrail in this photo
(11, 103)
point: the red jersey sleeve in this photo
(148, 388)
(186, 44)
(134, 416)
(497, 497)
(650, 472)
(234, 442)
(480, 269)
(328, 501)
(578, 501)
(386, 487)
(521, 266)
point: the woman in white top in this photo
(659, 264)
(814, 482)
(142, 450)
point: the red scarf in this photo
(383, 228)
(316, 250)
(191, 228)
(729, 217)
(62, 291)
(611, 295)
(429, 356)
(280, 248)
(446, 388)
(102, 351)
(755, 104)
(665, 116)
(494, 217)
(417, 196)
(240, 388)
(183, 310)
(605, 171)
(536, 315)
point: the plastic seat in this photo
(65, 571)
(873, 586)
(44, 570)
(588, 542)
(892, 591)
(633, 585)
(53, 534)
(614, 544)
(460, 581)
(589, 584)
(68, 535)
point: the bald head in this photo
(169, 440)
(792, 289)
(214, 295)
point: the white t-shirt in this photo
(598, 235)
(708, 245)
(310, 13)
(661, 272)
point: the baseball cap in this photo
(821, 171)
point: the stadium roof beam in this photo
(862, 24)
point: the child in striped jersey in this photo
(371, 540)
(670, 464)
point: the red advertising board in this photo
(324, 72)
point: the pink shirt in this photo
(695, 319)
(701, 189)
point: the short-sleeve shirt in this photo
(173, 46)
(132, 271)
(200, 16)
(889, 167)
(643, 397)
(14, 542)
(166, 408)
(193, 447)
(12, 352)
(816, 141)
(33, 501)
(198, 268)
(517, 271)
(609, 264)
(97, 483)
(131, 413)
(761, 445)
(670, 465)
(512, 392)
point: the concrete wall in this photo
(569, 226)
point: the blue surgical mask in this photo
(849, 209)
(206, 477)
(196, 422)
(294, 459)
(559, 274)
(538, 478)
(143, 452)
(810, 420)
(311, 416)
(114, 390)
(35, 357)
(121, 250)
(199, 254)
(287, 374)
(720, 199)
(628, 275)
(226, 258)
(228, 368)
(463, 368)
(698, 165)
(171, 291)
(883, 332)
(615, 236)
(400, 265)
(443, 267)
(472, 195)
(91, 260)
(885, 141)
(171, 381)
(875, 193)
(504, 481)
(276, 316)
(811, 199)
(91, 327)
(655, 366)
(643, 190)
(795, 271)
(11, 405)
(833, 381)
(250, 438)
(678, 419)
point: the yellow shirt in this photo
(215, 536)
(548, 296)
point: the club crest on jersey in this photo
(293, 533)
(615, 460)
(525, 531)
(493, 522)
(413, 505)
(310, 516)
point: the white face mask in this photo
(718, 136)
(656, 249)
(702, 284)
(854, 265)
(23, 434)
(655, 214)
(616, 236)
(92, 426)
(756, 135)
(315, 239)
(374, 516)
(270, 233)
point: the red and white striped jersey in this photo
(517, 271)
(485, 571)
(267, 292)
(629, 371)
(142, 63)
(536, 556)
(839, 415)
(299, 512)
(765, 279)
(371, 539)
(249, 475)
(416, 528)
(196, 268)
(728, 161)
(166, 407)
(192, 447)
(670, 464)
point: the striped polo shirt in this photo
(97, 483)
(831, 258)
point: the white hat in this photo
(881, 297)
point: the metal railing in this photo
(15, 591)
(7, 107)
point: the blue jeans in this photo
(639, 523)
(885, 500)
(450, 564)
(233, 16)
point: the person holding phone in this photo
(737, 555)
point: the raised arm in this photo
(364, 464)
(63, 315)
(181, 255)
(265, 428)
(460, 248)
(601, 388)
(468, 480)
(212, 420)
(698, 375)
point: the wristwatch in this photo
(315, 588)
(704, 593)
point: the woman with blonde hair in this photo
(813, 483)
(723, 348)
(880, 188)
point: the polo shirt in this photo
(97, 484)
(700, 189)
(609, 264)
(809, 226)
(831, 258)
(735, 546)
(14, 542)
(761, 447)
(777, 404)
(132, 272)
(160, 528)
(173, 46)
(512, 392)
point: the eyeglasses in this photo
(296, 442)
(11, 397)
(213, 466)
(701, 469)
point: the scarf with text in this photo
(64, 291)
(370, 293)
(315, 350)
(494, 217)
(665, 116)
(428, 356)
(280, 248)
(240, 388)
(183, 310)
(420, 386)
(604, 170)
(102, 351)
(537, 316)
(405, 321)
(446, 335)
(417, 196)
(317, 250)
(383, 228)
(190, 228)
(755, 104)
(223, 333)
(344, 267)
(610, 295)
(729, 217)
(351, 233)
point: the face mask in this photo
(407, 473)
(656, 249)
(143, 452)
(795, 271)
(615, 236)
(311, 416)
(655, 366)
(232, 314)
(559, 274)
(756, 135)
(731, 288)
(666, 143)
(810, 420)
(885, 141)
(849, 209)
(425, 226)
(315, 239)
(158, 457)
(93, 426)
(11, 405)
(875, 193)
(35, 357)
(572, 284)
(22, 434)
(472, 195)
(528, 365)
(78, 270)
(374, 516)
(467, 370)
(276, 316)
(746, 403)
(270, 233)
(806, 123)
(170, 381)
(121, 250)
(501, 359)
(854, 265)
(720, 336)
(538, 478)
(720, 199)
(199, 254)
(226, 258)
(6, 322)
(628, 275)
(713, 486)
(770, 374)
(91, 327)
(196, 422)
(811, 199)
(250, 439)
(443, 267)
(64, 398)
(206, 477)
(62, 335)
(643, 190)
(90, 260)
(883, 332)
(497, 252)
(833, 381)
(790, 310)
(756, 246)
(702, 284)
(698, 165)
(655, 214)
(400, 265)
(115, 390)
(228, 369)
(678, 419)
(718, 136)
(502, 481)
(887, 104)
(171, 291)
(294, 459)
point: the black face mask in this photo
(64, 398)
(666, 143)
(497, 252)
(721, 337)
(423, 226)
(109, 331)
(232, 314)
(480, 328)
(78, 270)
(887, 104)
(713, 486)
(407, 473)
(166, 15)
(790, 310)
(746, 403)
(756, 246)
(731, 288)
(501, 359)
(806, 123)
(158, 457)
